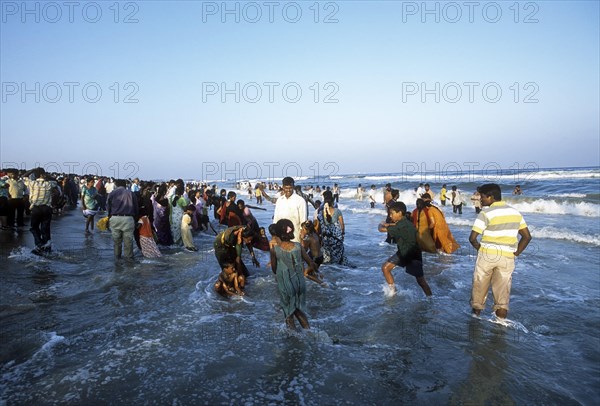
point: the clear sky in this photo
(196, 89)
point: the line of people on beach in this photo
(166, 214)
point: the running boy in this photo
(409, 254)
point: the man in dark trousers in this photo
(40, 200)
(122, 208)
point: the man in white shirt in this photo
(372, 196)
(110, 186)
(290, 206)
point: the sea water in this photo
(79, 328)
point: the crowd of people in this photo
(166, 214)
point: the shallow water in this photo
(78, 328)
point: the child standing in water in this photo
(186, 228)
(312, 246)
(409, 254)
(89, 204)
(286, 263)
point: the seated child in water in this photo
(229, 283)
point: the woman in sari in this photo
(177, 203)
(161, 223)
(332, 233)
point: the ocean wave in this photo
(553, 207)
(509, 176)
(560, 234)
(572, 195)
(562, 174)
(408, 196)
(442, 175)
(254, 181)
(53, 339)
(456, 221)
(539, 206)
(351, 194)
(368, 210)
(391, 177)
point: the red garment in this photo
(145, 229)
(228, 216)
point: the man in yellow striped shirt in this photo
(500, 225)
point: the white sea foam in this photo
(542, 206)
(150, 261)
(491, 175)
(318, 336)
(562, 234)
(562, 174)
(388, 178)
(573, 195)
(378, 212)
(53, 339)
(241, 299)
(350, 193)
(444, 174)
(515, 325)
(507, 176)
(458, 284)
(24, 254)
(388, 291)
(554, 207)
(458, 221)
(565, 297)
